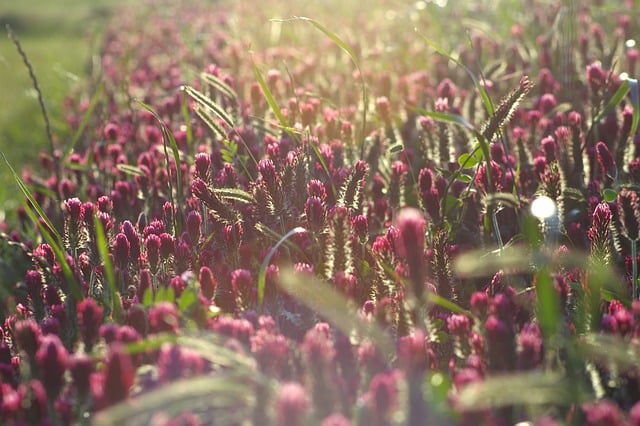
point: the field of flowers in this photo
(383, 213)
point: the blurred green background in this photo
(60, 38)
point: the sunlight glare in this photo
(543, 207)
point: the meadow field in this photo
(321, 213)
(61, 39)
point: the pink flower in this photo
(27, 336)
(292, 405)
(603, 413)
(383, 394)
(314, 213)
(163, 318)
(202, 163)
(207, 282)
(410, 245)
(153, 245)
(119, 374)
(121, 251)
(89, 322)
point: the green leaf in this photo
(464, 178)
(467, 161)
(170, 295)
(548, 305)
(147, 297)
(451, 203)
(609, 195)
(186, 300)
(229, 151)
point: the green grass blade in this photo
(85, 120)
(25, 191)
(60, 253)
(483, 93)
(460, 121)
(342, 45)
(167, 136)
(211, 347)
(610, 350)
(449, 305)
(210, 122)
(219, 85)
(205, 101)
(103, 251)
(269, 96)
(130, 170)
(535, 388)
(235, 195)
(226, 393)
(333, 306)
(187, 121)
(481, 263)
(615, 100)
(635, 101)
(323, 163)
(548, 306)
(262, 277)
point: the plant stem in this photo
(496, 228)
(634, 271)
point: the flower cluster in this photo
(282, 248)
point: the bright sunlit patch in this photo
(276, 31)
(437, 379)
(630, 43)
(543, 207)
(420, 5)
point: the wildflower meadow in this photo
(376, 213)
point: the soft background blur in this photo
(59, 37)
(62, 37)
